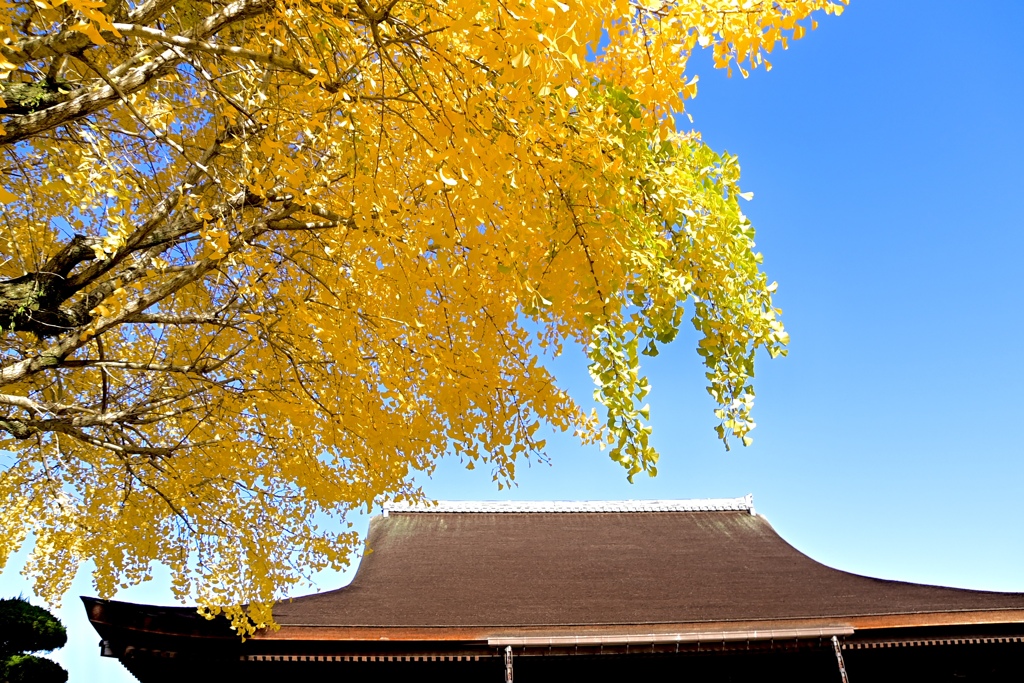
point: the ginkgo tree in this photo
(263, 260)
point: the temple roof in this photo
(591, 590)
(504, 566)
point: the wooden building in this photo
(694, 590)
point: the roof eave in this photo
(794, 627)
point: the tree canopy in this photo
(264, 259)
(26, 628)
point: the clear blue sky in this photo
(885, 153)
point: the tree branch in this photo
(269, 59)
(23, 127)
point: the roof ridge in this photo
(744, 504)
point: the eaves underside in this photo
(483, 632)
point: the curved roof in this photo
(551, 564)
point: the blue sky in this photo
(884, 151)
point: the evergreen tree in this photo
(24, 629)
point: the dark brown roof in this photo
(453, 568)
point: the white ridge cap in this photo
(745, 504)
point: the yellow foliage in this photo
(265, 259)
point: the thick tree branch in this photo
(23, 402)
(36, 302)
(199, 367)
(23, 127)
(69, 42)
(269, 59)
(32, 302)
